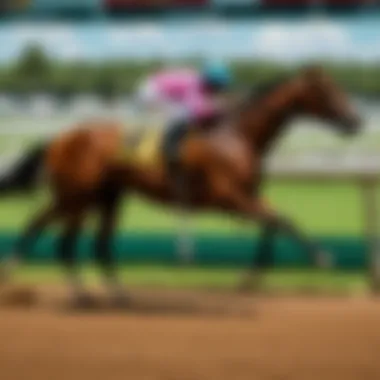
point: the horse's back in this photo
(219, 152)
(77, 160)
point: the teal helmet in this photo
(217, 76)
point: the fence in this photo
(367, 178)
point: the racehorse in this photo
(223, 170)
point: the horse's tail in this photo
(23, 175)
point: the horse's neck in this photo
(262, 127)
(274, 128)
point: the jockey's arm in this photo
(205, 112)
(209, 121)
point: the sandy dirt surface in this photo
(177, 335)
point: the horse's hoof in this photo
(250, 283)
(244, 288)
(84, 301)
(23, 297)
(7, 268)
(120, 300)
(4, 276)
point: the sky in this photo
(283, 40)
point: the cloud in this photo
(57, 40)
(284, 41)
(209, 28)
(42, 34)
(134, 34)
(69, 52)
(310, 39)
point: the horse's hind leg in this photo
(262, 258)
(67, 248)
(274, 223)
(233, 199)
(110, 201)
(26, 240)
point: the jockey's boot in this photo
(175, 135)
(176, 178)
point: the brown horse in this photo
(223, 169)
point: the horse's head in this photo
(323, 99)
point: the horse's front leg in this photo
(273, 223)
(108, 207)
(262, 259)
(67, 244)
(230, 197)
(26, 241)
(271, 220)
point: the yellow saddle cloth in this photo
(144, 147)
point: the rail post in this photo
(185, 243)
(370, 203)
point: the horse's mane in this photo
(263, 89)
(260, 91)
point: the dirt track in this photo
(190, 336)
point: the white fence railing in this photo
(366, 176)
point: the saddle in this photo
(144, 147)
(156, 148)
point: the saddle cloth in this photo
(154, 148)
(144, 147)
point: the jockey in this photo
(187, 98)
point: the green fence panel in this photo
(210, 250)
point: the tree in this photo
(33, 68)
